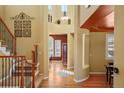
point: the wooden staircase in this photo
(15, 71)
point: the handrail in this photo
(13, 37)
(7, 28)
(13, 61)
(10, 56)
(33, 69)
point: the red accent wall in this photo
(63, 38)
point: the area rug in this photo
(65, 73)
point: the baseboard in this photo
(97, 72)
(78, 81)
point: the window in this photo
(57, 48)
(49, 14)
(51, 46)
(64, 8)
(49, 7)
(109, 46)
(65, 18)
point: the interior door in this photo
(64, 53)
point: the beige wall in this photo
(57, 14)
(97, 51)
(119, 46)
(44, 41)
(70, 56)
(60, 29)
(1, 11)
(24, 45)
(39, 32)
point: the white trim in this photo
(78, 81)
(45, 78)
(97, 72)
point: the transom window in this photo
(64, 8)
(49, 7)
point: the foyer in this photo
(32, 54)
(57, 81)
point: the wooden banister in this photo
(14, 62)
(13, 37)
(22, 75)
(6, 27)
(33, 69)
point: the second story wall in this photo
(62, 28)
(2, 11)
(25, 44)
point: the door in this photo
(64, 53)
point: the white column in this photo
(80, 73)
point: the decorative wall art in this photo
(22, 25)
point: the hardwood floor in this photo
(56, 81)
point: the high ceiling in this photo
(102, 20)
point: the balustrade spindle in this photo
(2, 72)
(18, 69)
(9, 72)
(12, 72)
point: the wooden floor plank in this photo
(56, 81)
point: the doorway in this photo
(64, 54)
(58, 48)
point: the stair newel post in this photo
(22, 73)
(14, 46)
(33, 69)
(36, 53)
